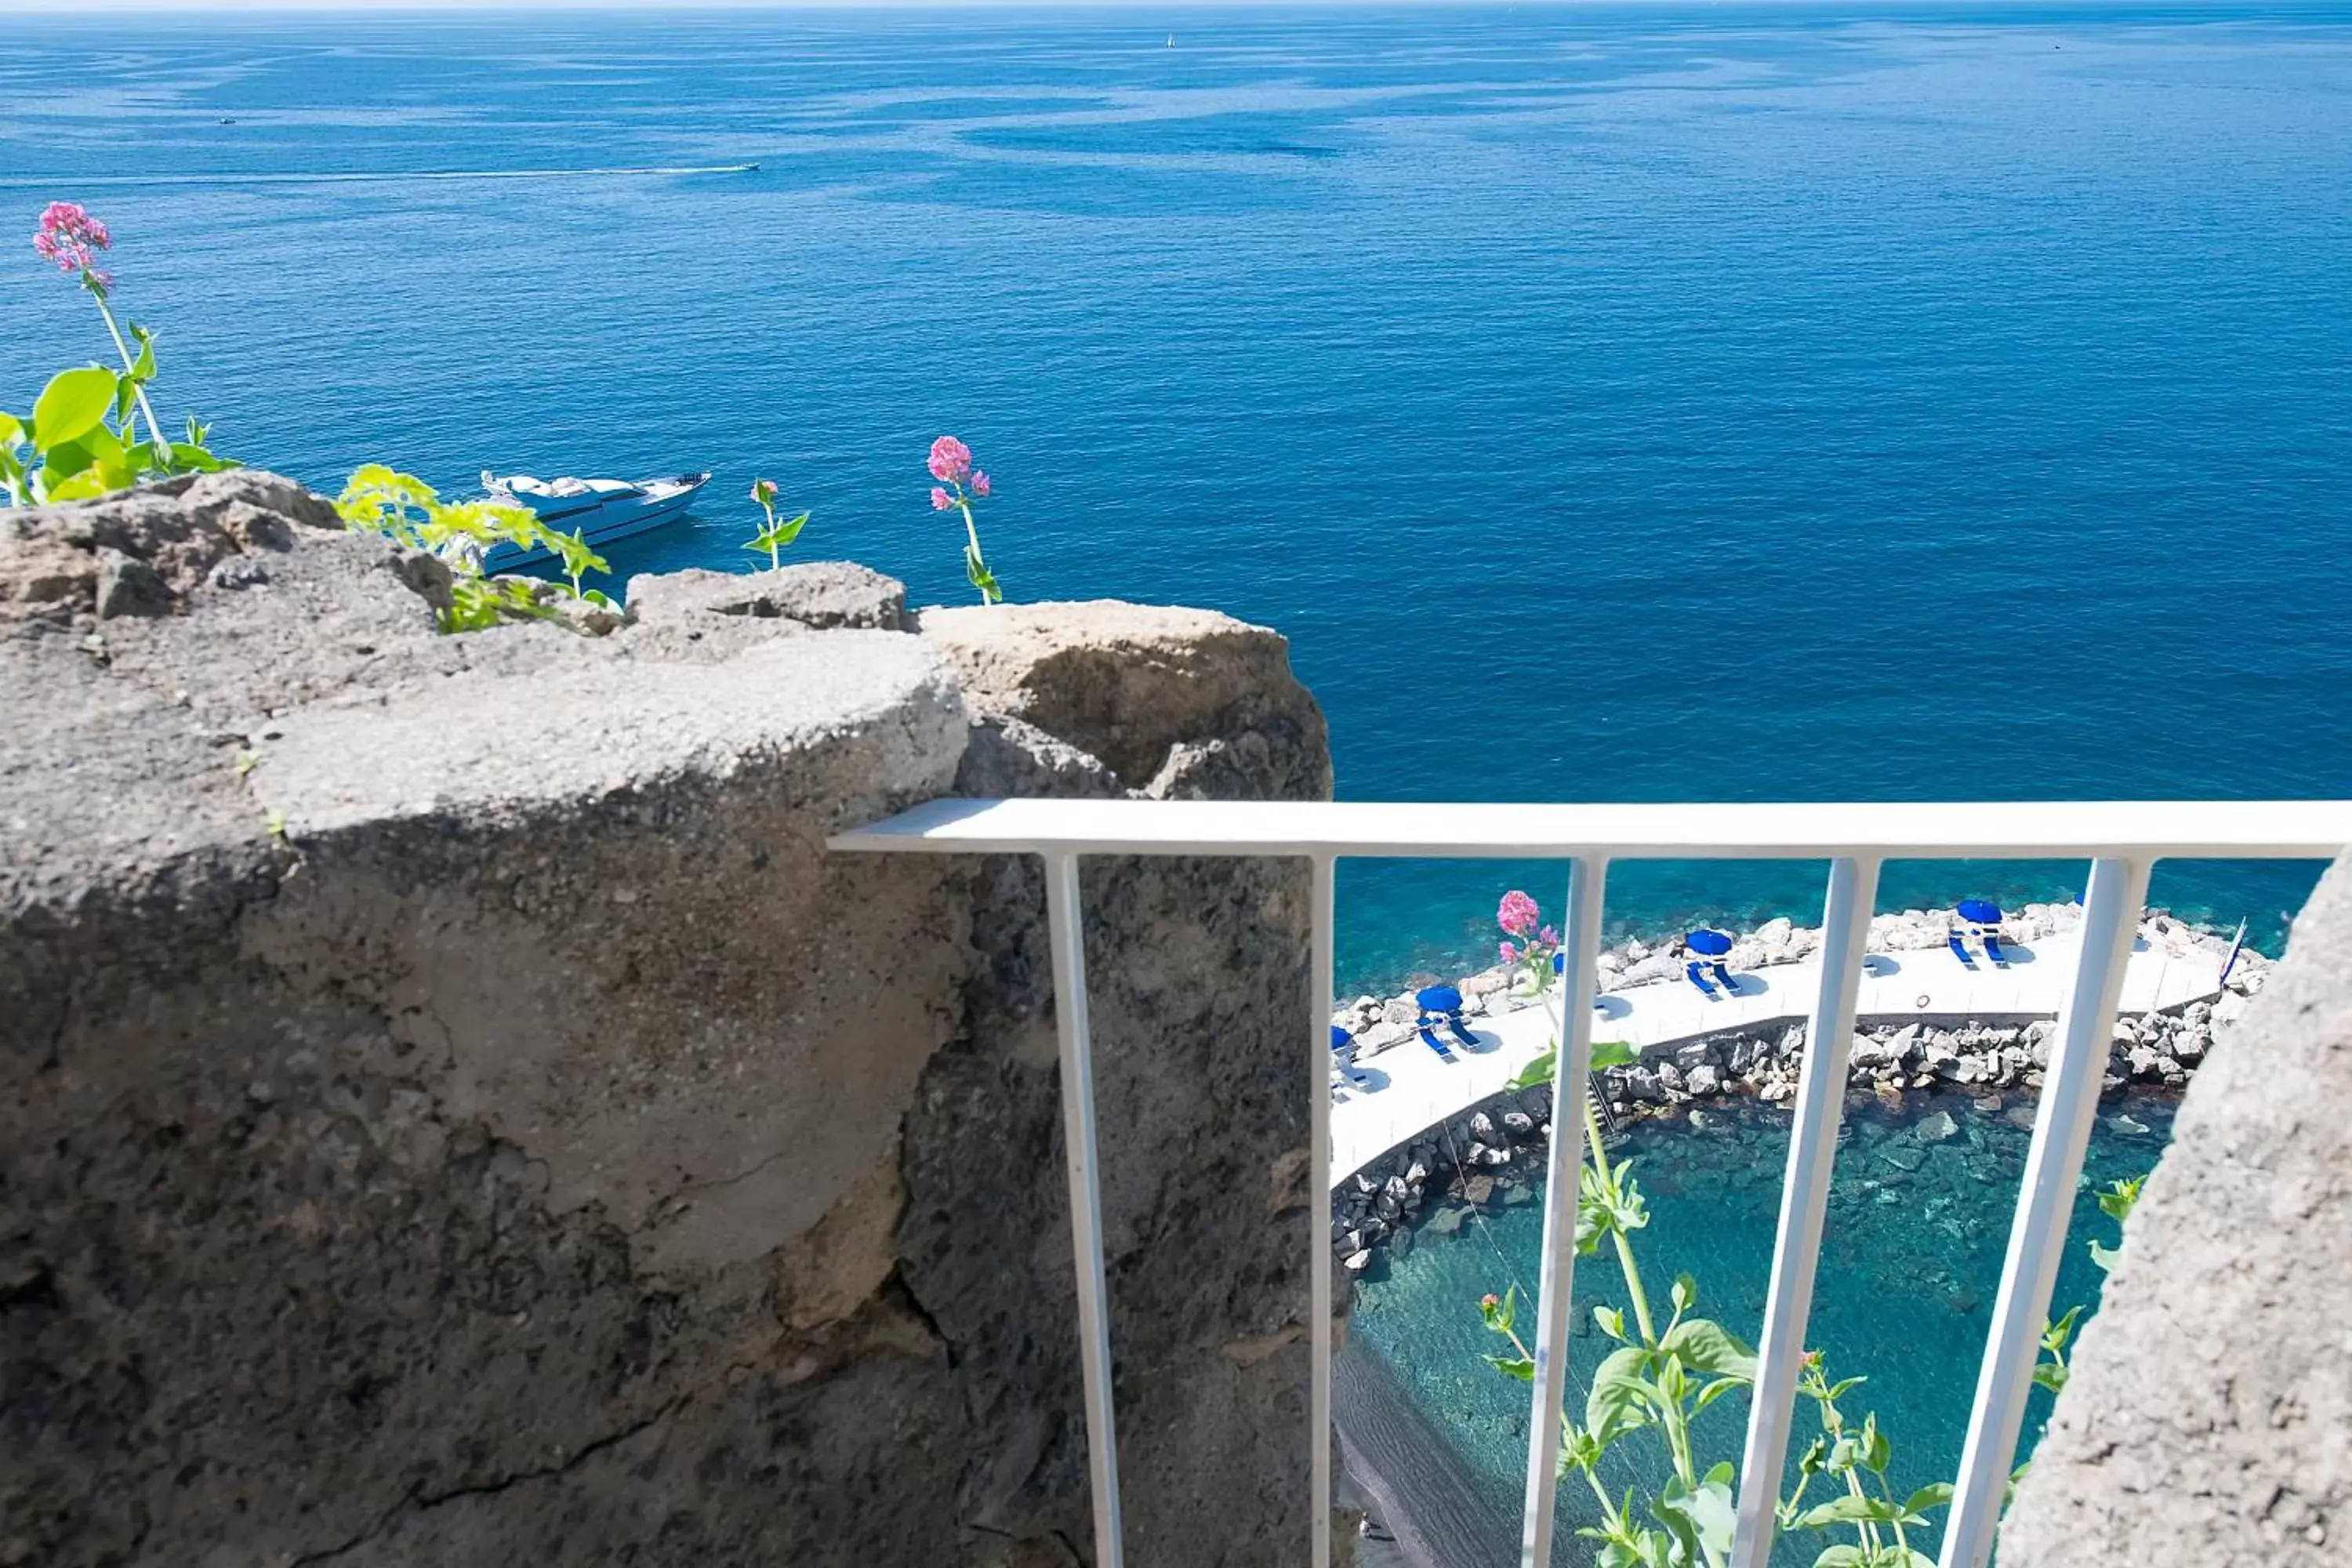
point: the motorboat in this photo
(599, 511)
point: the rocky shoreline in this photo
(1490, 1153)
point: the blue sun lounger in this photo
(1959, 946)
(1698, 978)
(1343, 1055)
(1442, 1004)
(1722, 975)
(1992, 949)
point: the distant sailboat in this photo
(1171, 40)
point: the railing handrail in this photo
(1727, 830)
(2122, 839)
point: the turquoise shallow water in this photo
(1611, 402)
(1910, 1263)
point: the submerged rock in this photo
(1936, 1129)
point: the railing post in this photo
(2045, 1205)
(1804, 1196)
(1067, 930)
(1572, 1066)
(1319, 1174)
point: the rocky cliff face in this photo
(2209, 1415)
(457, 1111)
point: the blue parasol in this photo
(1708, 943)
(1439, 999)
(1980, 912)
(1340, 1038)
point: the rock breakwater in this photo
(1490, 1152)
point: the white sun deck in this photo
(1409, 1087)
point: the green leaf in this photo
(1611, 1321)
(2120, 1198)
(1614, 1054)
(1704, 1345)
(1538, 1071)
(83, 486)
(1851, 1509)
(1686, 1291)
(977, 573)
(2055, 1335)
(1714, 1391)
(1874, 1447)
(1848, 1556)
(12, 431)
(2049, 1376)
(1501, 1312)
(1618, 1402)
(1519, 1367)
(1934, 1495)
(189, 458)
(1578, 1448)
(73, 404)
(143, 368)
(1700, 1518)
(2105, 1257)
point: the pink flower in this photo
(1518, 913)
(763, 491)
(71, 238)
(1507, 952)
(951, 460)
(1548, 936)
(980, 483)
(941, 499)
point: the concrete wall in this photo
(456, 1113)
(2208, 1417)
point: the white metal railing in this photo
(2122, 839)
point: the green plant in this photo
(1843, 1456)
(2116, 1201)
(92, 429)
(403, 508)
(960, 485)
(1660, 1381)
(776, 536)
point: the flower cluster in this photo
(960, 484)
(71, 238)
(1520, 918)
(951, 464)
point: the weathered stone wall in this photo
(458, 1113)
(2209, 1416)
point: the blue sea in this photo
(1611, 403)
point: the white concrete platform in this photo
(1408, 1088)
